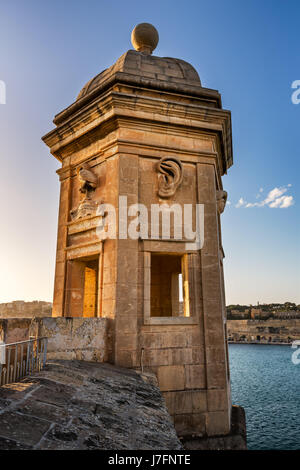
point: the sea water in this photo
(266, 382)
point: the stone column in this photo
(218, 416)
(126, 344)
(60, 268)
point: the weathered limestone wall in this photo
(264, 330)
(86, 339)
(14, 329)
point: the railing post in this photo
(22, 360)
(8, 366)
(4, 376)
(27, 358)
(45, 351)
(2, 361)
(13, 365)
(2, 352)
(32, 356)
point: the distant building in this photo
(20, 308)
(259, 313)
(255, 312)
(239, 314)
(288, 314)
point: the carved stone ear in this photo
(171, 174)
(221, 200)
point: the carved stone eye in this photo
(171, 174)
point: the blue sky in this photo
(247, 50)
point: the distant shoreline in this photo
(262, 344)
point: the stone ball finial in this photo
(144, 38)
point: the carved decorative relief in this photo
(171, 174)
(221, 200)
(88, 183)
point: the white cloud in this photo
(277, 202)
(240, 203)
(287, 202)
(258, 195)
(276, 199)
(282, 202)
(274, 194)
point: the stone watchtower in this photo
(144, 138)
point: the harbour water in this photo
(266, 383)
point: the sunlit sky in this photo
(248, 50)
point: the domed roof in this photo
(139, 64)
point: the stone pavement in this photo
(82, 405)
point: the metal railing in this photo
(20, 359)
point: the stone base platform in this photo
(236, 440)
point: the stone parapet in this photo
(86, 339)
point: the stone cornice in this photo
(120, 77)
(115, 109)
(116, 103)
